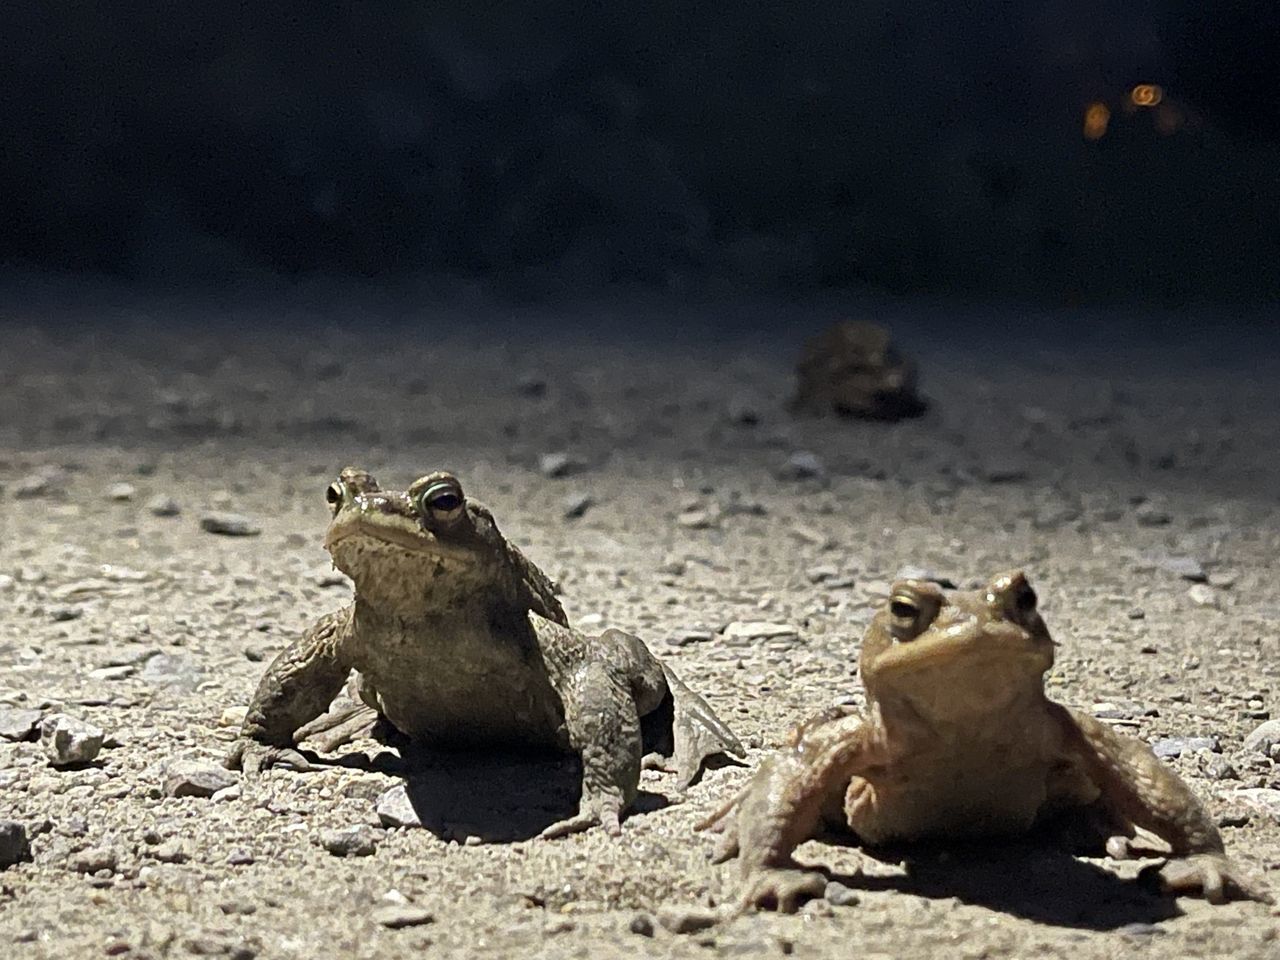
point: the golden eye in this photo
(904, 608)
(335, 495)
(441, 500)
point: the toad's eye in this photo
(1025, 599)
(903, 609)
(441, 500)
(334, 495)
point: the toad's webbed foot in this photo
(340, 726)
(1212, 875)
(601, 810)
(696, 730)
(253, 757)
(781, 888)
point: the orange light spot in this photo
(1096, 118)
(1146, 95)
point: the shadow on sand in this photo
(1027, 879)
(497, 796)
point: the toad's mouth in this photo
(958, 644)
(406, 535)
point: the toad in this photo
(458, 641)
(854, 370)
(960, 741)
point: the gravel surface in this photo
(160, 525)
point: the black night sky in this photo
(906, 147)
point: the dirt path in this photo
(1108, 475)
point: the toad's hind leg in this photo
(696, 733)
(298, 686)
(345, 722)
(604, 728)
(696, 730)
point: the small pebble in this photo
(196, 778)
(686, 919)
(556, 465)
(1123, 710)
(685, 636)
(395, 809)
(1218, 767)
(92, 860)
(1222, 579)
(1140, 930)
(14, 845)
(839, 895)
(68, 741)
(42, 483)
(1004, 471)
(398, 915)
(802, 465)
(758, 630)
(17, 724)
(1169, 747)
(163, 505)
(360, 840)
(577, 504)
(229, 524)
(698, 519)
(1149, 514)
(173, 851)
(121, 672)
(1203, 595)
(121, 492)
(641, 924)
(531, 385)
(742, 411)
(1260, 739)
(1263, 799)
(821, 574)
(65, 614)
(1188, 568)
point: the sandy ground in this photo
(1090, 453)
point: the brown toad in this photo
(960, 741)
(460, 642)
(853, 369)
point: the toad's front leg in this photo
(783, 806)
(1138, 790)
(298, 686)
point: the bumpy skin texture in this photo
(459, 642)
(961, 741)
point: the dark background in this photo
(903, 147)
